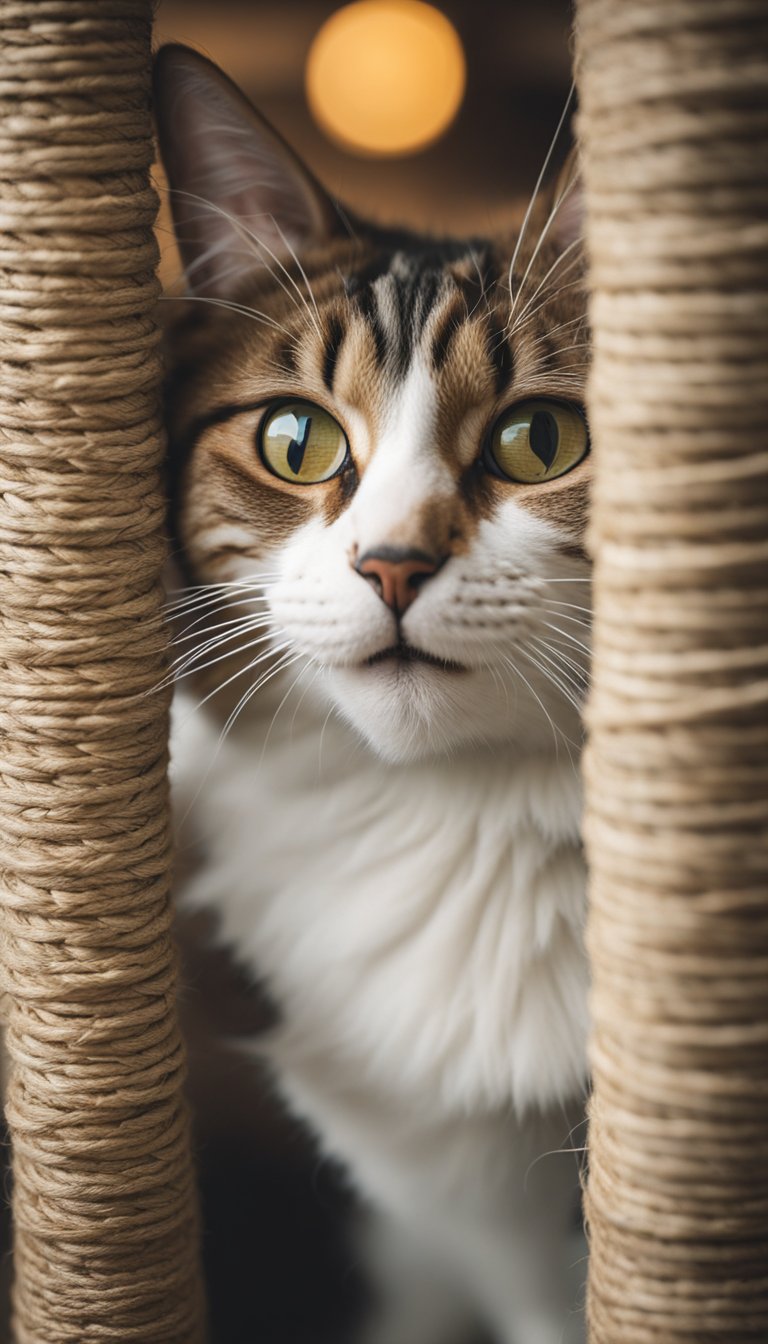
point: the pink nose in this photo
(397, 574)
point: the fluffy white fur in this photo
(420, 926)
(395, 850)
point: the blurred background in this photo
(517, 62)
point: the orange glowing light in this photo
(386, 76)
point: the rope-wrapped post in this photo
(104, 1207)
(674, 139)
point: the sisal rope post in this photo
(674, 140)
(104, 1207)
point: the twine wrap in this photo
(674, 134)
(105, 1226)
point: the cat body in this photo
(420, 928)
(382, 779)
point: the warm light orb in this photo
(386, 76)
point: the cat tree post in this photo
(104, 1209)
(674, 139)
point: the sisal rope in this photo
(674, 135)
(104, 1210)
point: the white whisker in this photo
(559, 631)
(573, 284)
(536, 190)
(318, 670)
(248, 667)
(575, 261)
(244, 232)
(243, 627)
(576, 682)
(299, 266)
(287, 660)
(220, 625)
(190, 665)
(561, 199)
(240, 308)
(572, 606)
(273, 720)
(267, 676)
(555, 730)
(567, 659)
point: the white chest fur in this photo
(420, 925)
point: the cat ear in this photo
(240, 197)
(567, 203)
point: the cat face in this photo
(377, 443)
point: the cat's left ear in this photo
(240, 197)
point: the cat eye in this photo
(537, 441)
(302, 443)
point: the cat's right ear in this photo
(240, 197)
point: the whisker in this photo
(563, 349)
(565, 694)
(318, 670)
(498, 680)
(575, 620)
(567, 659)
(241, 627)
(287, 660)
(326, 721)
(220, 625)
(220, 601)
(215, 607)
(196, 602)
(536, 190)
(577, 682)
(244, 232)
(580, 319)
(222, 736)
(573, 284)
(301, 270)
(273, 720)
(554, 680)
(566, 635)
(562, 198)
(227, 583)
(514, 668)
(190, 665)
(575, 261)
(573, 606)
(240, 308)
(278, 649)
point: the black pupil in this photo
(298, 446)
(543, 437)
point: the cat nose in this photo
(397, 573)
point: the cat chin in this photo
(407, 713)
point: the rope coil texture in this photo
(105, 1221)
(674, 135)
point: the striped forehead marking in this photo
(401, 294)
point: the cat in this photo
(379, 479)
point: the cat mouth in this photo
(403, 653)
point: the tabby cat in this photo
(379, 478)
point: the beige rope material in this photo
(104, 1208)
(674, 139)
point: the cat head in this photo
(378, 446)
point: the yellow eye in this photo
(537, 441)
(302, 443)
